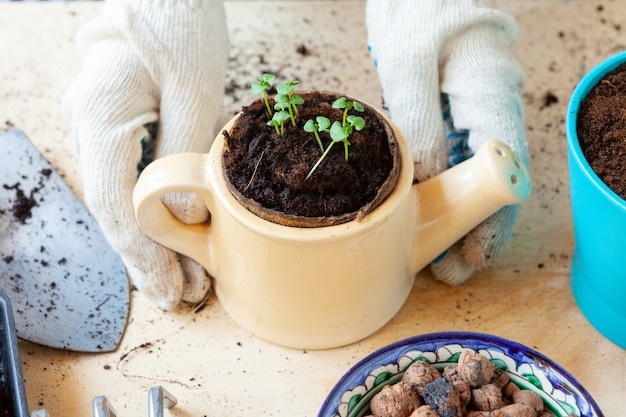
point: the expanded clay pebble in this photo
(528, 398)
(398, 400)
(515, 410)
(419, 374)
(500, 378)
(509, 390)
(487, 398)
(449, 395)
(451, 373)
(475, 369)
(424, 411)
(443, 398)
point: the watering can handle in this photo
(175, 173)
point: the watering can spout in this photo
(457, 200)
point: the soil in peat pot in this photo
(601, 129)
(271, 169)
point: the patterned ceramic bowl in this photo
(561, 393)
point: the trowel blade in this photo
(68, 288)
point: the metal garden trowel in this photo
(68, 288)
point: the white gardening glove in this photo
(428, 47)
(147, 61)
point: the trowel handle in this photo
(183, 172)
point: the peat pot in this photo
(598, 269)
(327, 286)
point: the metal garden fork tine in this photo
(102, 407)
(159, 397)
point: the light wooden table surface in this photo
(206, 360)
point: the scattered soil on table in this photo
(271, 169)
(602, 129)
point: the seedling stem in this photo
(261, 88)
(339, 132)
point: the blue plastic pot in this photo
(598, 270)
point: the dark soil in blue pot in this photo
(601, 129)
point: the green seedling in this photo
(343, 103)
(278, 121)
(261, 88)
(322, 125)
(287, 100)
(340, 132)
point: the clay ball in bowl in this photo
(458, 374)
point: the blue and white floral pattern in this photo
(562, 394)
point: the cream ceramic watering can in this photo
(324, 287)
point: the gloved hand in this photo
(425, 48)
(143, 62)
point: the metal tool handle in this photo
(158, 399)
(102, 407)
